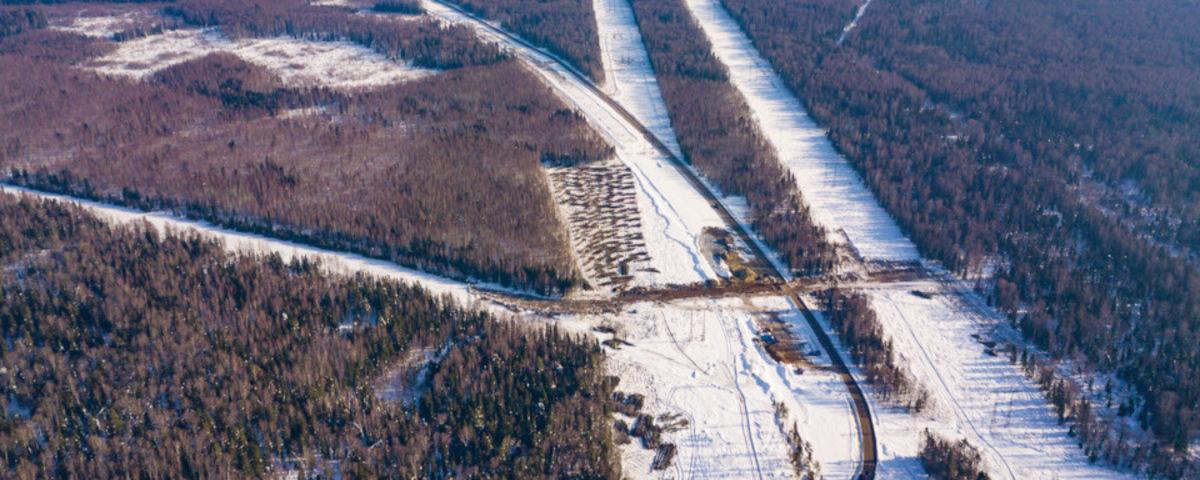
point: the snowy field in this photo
(698, 358)
(334, 262)
(837, 197)
(340, 65)
(976, 395)
(673, 215)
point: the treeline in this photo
(424, 42)
(947, 460)
(851, 315)
(133, 354)
(404, 7)
(984, 137)
(17, 20)
(441, 174)
(721, 138)
(566, 28)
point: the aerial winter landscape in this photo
(668, 239)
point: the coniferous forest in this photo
(128, 353)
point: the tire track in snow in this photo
(958, 409)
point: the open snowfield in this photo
(976, 395)
(837, 198)
(238, 242)
(698, 358)
(673, 215)
(340, 65)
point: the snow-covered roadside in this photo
(698, 358)
(335, 262)
(673, 215)
(837, 198)
(339, 64)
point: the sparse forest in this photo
(133, 354)
(851, 316)
(720, 137)
(566, 28)
(999, 135)
(442, 174)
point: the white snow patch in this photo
(339, 64)
(105, 26)
(673, 215)
(837, 198)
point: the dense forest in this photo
(998, 133)
(137, 355)
(720, 137)
(566, 28)
(442, 173)
(948, 460)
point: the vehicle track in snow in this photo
(958, 409)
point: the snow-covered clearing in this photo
(629, 73)
(103, 26)
(837, 197)
(246, 243)
(698, 358)
(976, 395)
(341, 65)
(673, 215)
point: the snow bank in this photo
(673, 215)
(837, 198)
(342, 65)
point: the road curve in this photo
(862, 409)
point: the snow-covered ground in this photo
(837, 197)
(698, 358)
(976, 395)
(332, 261)
(673, 215)
(341, 65)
